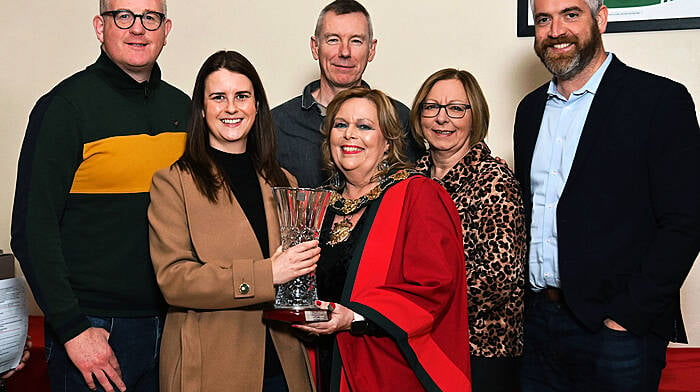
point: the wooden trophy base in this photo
(297, 316)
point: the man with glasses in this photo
(609, 159)
(79, 225)
(343, 45)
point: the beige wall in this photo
(43, 42)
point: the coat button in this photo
(244, 288)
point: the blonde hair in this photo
(389, 125)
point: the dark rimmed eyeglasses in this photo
(453, 110)
(124, 19)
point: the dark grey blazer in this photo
(629, 216)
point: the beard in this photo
(565, 67)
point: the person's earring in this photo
(383, 166)
(426, 145)
(335, 181)
(382, 170)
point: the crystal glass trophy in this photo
(300, 212)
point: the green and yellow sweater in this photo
(79, 224)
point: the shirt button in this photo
(244, 288)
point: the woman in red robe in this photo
(392, 262)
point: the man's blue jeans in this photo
(136, 344)
(561, 355)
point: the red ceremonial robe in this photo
(407, 276)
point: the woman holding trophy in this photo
(214, 238)
(392, 262)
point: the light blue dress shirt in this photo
(560, 131)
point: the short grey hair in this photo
(594, 5)
(104, 6)
(343, 7)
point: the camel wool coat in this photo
(212, 273)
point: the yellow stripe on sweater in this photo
(125, 164)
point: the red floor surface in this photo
(33, 378)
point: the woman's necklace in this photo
(341, 230)
(348, 207)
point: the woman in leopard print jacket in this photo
(450, 117)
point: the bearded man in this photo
(608, 157)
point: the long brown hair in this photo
(261, 143)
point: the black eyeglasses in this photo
(453, 110)
(124, 19)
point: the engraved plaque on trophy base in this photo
(297, 316)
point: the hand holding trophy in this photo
(300, 213)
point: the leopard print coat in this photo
(489, 203)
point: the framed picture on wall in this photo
(632, 15)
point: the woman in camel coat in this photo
(215, 244)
